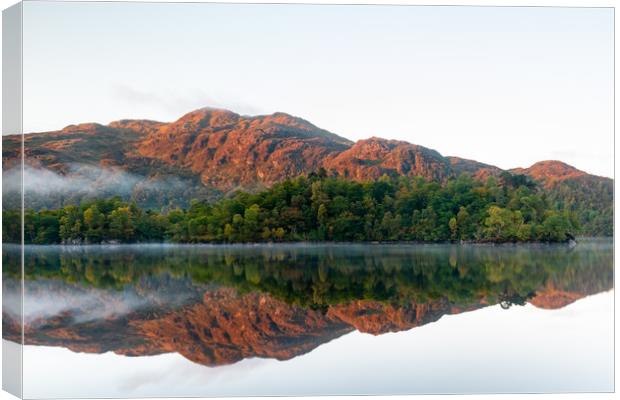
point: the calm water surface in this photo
(301, 319)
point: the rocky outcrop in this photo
(229, 151)
(551, 172)
(476, 169)
(371, 158)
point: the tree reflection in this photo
(319, 276)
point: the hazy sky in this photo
(506, 86)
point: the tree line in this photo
(316, 207)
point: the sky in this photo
(502, 85)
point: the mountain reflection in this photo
(217, 305)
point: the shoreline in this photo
(569, 243)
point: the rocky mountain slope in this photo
(210, 152)
(224, 150)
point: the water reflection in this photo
(217, 305)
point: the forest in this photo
(317, 207)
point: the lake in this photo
(311, 319)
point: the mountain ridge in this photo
(210, 152)
(220, 119)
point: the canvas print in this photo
(206, 199)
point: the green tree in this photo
(122, 225)
(501, 224)
(71, 225)
(94, 221)
(453, 227)
(278, 233)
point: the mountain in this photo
(589, 197)
(551, 172)
(224, 150)
(209, 152)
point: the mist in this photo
(46, 299)
(45, 188)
